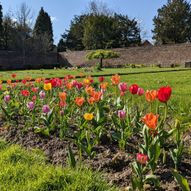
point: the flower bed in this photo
(107, 124)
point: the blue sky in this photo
(62, 11)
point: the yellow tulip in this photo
(47, 86)
(88, 116)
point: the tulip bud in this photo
(7, 98)
(46, 109)
(30, 105)
(121, 114)
(142, 158)
(42, 94)
(140, 91)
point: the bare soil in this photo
(113, 163)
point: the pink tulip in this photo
(42, 94)
(30, 105)
(142, 158)
(61, 113)
(140, 91)
(34, 98)
(121, 114)
(7, 98)
(123, 87)
(45, 109)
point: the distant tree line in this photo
(97, 28)
(100, 29)
(17, 32)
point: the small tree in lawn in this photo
(101, 55)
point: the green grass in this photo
(27, 171)
(51, 73)
(181, 89)
(179, 81)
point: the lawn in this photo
(23, 170)
(52, 73)
(180, 83)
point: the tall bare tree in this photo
(98, 7)
(24, 17)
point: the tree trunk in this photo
(101, 63)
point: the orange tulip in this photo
(79, 101)
(86, 81)
(104, 85)
(69, 85)
(96, 96)
(91, 100)
(150, 120)
(28, 78)
(115, 79)
(89, 90)
(62, 96)
(9, 81)
(151, 95)
(38, 80)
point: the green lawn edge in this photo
(22, 170)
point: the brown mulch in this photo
(112, 162)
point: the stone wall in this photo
(165, 55)
(11, 60)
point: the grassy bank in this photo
(24, 171)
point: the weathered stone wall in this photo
(165, 55)
(10, 60)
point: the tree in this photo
(10, 34)
(98, 32)
(99, 28)
(1, 27)
(61, 47)
(98, 8)
(23, 28)
(127, 31)
(173, 23)
(101, 55)
(74, 36)
(43, 27)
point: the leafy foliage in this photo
(100, 31)
(43, 26)
(61, 47)
(102, 54)
(1, 26)
(173, 22)
(183, 183)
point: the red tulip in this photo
(56, 82)
(101, 79)
(134, 88)
(24, 81)
(25, 93)
(164, 94)
(13, 75)
(142, 158)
